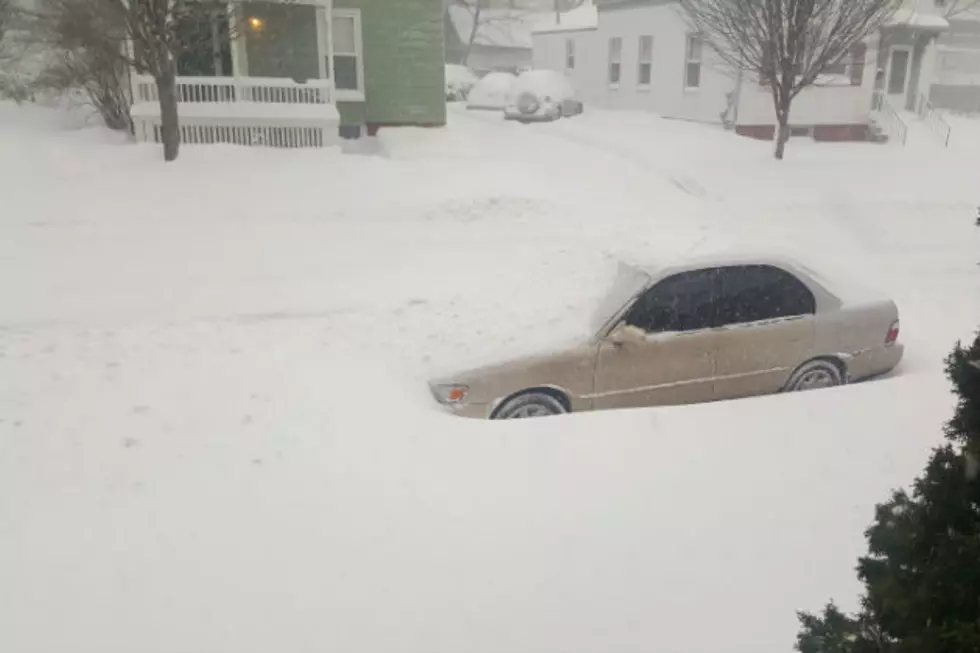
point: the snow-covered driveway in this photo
(215, 434)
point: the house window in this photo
(345, 32)
(692, 61)
(615, 59)
(645, 66)
(569, 54)
(204, 41)
(849, 70)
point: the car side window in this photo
(751, 293)
(682, 302)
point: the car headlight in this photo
(449, 393)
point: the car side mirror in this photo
(627, 334)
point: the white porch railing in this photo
(934, 120)
(239, 89)
(884, 114)
(262, 111)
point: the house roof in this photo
(502, 28)
(912, 18)
(584, 17)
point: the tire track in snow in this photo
(561, 130)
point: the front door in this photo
(897, 76)
(674, 364)
(765, 330)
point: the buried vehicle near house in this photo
(720, 328)
(540, 96)
(491, 92)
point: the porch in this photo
(260, 74)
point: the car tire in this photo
(530, 404)
(528, 104)
(815, 374)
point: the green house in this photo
(295, 73)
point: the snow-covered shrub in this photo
(459, 81)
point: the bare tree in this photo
(77, 59)
(144, 36)
(787, 43)
(957, 7)
(6, 9)
(487, 14)
(12, 52)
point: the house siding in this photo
(952, 69)
(404, 72)
(720, 92)
(666, 94)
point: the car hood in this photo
(569, 369)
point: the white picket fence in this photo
(252, 111)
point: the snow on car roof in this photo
(544, 82)
(840, 282)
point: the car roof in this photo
(839, 285)
(725, 260)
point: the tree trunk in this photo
(782, 135)
(782, 126)
(476, 26)
(169, 123)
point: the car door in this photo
(765, 329)
(674, 362)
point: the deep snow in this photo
(215, 434)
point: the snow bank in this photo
(215, 433)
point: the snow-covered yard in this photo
(215, 433)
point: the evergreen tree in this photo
(922, 571)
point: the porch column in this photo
(328, 8)
(237, 29)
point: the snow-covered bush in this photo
(491, 92)
(459, 81)
(79, 57)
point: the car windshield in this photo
(629, 281)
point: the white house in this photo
(502, 41)
(643, 54)
(950, 63)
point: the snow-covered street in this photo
(216, 435)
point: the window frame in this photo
(710, 272)
(355, 95)
(641, 62)
(615, 59)
(690, 61)
(787, 276)
(851, 65)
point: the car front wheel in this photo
(530, 404)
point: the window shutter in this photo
(858, 53)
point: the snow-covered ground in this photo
(215, 433)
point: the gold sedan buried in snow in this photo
(715, 329)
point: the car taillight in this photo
(892, 334)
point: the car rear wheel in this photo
(530, 404)
(815, 374)
(527, 103)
